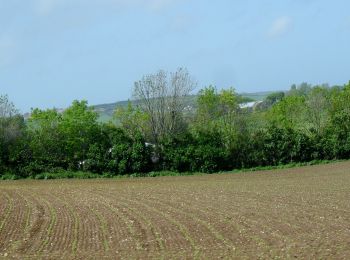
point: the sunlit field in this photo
(302, 212)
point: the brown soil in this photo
(294, 213)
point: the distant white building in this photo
(249, 104)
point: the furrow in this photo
(10, 225)
(4, 204)
(205, 218)
(183, 229)
(45, 217)
(52, 218)
(93, 227)
(7, 211)
(204, 232)
(139, 225)
(75, 226)
(23, 219)
(64, 231)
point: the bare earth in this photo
(303, 213)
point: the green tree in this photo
(340, 121)
(46, 141)
(301, 90)
(11, 130)
(133, 120)
(220, 111)
(201, 151)
(80, 129)
(286, 145)
(289, 113)
(271, 100)
(127, 154)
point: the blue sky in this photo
(55, 51)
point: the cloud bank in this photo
(280, 26)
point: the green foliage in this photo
(340, 121)
(70, 175)
(45, 140)
(212, 104)
(306, 124)
(80, 129)
(243, 99)
(200, 151)
(133, 120)
(286, 145)
(302, 90)
(11, 131)
(220, 112)
(121, 154)
(317, 109)
(289, 112)
(97, 159)
(9, 176)
(271, 100)
(58, 140)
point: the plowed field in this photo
(302, 212)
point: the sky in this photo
(55, 51)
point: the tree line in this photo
(161, 132)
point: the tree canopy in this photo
(161, 132)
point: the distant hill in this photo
(258, 96)
(106, 111)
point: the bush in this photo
(200, 152)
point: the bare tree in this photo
(7, 108)
(11, 125)
(10, 121)
(162, 97)
(318, 103)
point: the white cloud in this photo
(280, 26)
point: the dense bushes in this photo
(301, 126)
(202, 151)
